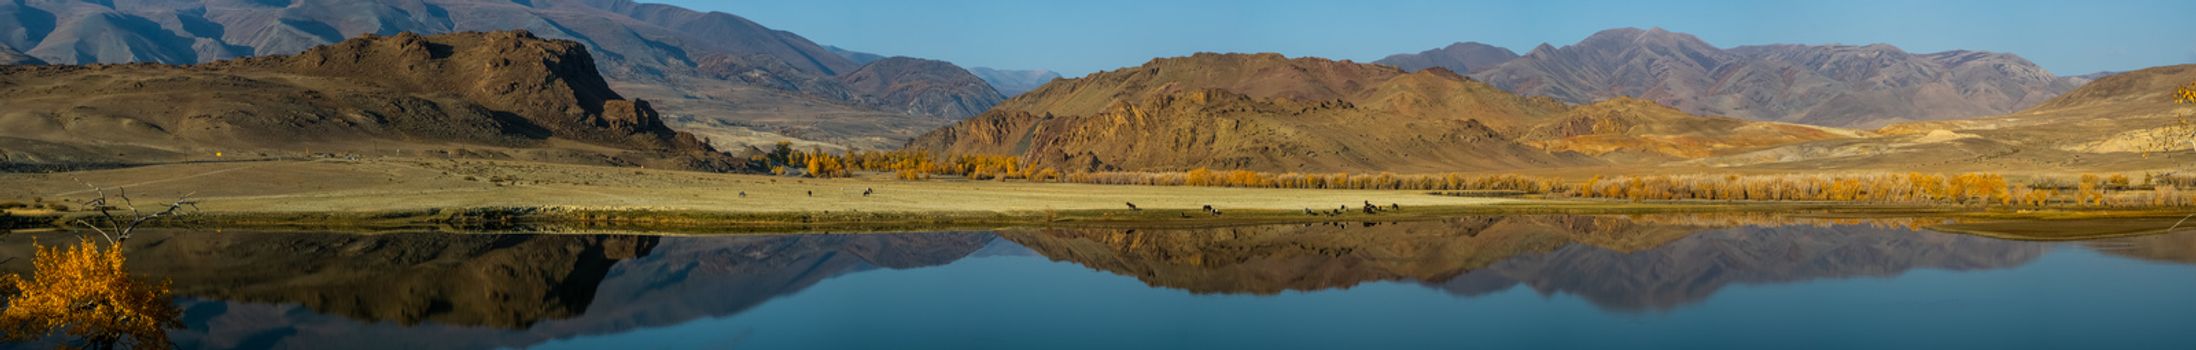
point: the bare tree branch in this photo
(117, 229)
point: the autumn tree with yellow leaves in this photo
(84, 292)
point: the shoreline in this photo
(2030, 225)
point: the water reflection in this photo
(315, 290)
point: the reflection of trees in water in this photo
(459, 291)
(83, 291)
(270, 289)
(1616, 262)
(471, 279)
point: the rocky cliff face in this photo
(502, 90)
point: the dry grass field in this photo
(406, 184)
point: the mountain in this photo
(1272, 113)
(1465, 57)
(508, 93)
(1011, 82)
(1261, 112)
(922, 87)
(652, 51)
(9, 56)
(857, 56)
(2115, 123)
(1833, 85)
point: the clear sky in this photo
(1076, 37)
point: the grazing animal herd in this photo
(1368, 208)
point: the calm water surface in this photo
(1476, 282)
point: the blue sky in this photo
(1078, 37)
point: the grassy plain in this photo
(409, 192)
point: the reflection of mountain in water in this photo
(2173, 248)
(1271, 259)
(1613, 262)
(690, 278)
(492, 280)
(1691, 269)
(258, 290)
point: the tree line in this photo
(1978, 189)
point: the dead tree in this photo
(117, 222)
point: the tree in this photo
(117, 229)
(2187, 94)
(84, 291)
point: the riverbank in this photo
(473, 195)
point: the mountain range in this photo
(1832, 85)
(2120, 122)
(652, 51)
(658, 84)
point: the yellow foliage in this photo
(2187, 94)
(84, 292)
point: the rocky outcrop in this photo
(502, 90)
(653, 51)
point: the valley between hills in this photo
(618, 113)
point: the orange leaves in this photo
(1975, 189)
(1912, 187)
(2087, 192)
(84, 291)
(1383, 181)
(2186, 94)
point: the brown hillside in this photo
(504, 93)
(1271, 113)
(1258, 111)
(1635, 127)
(2106, 125)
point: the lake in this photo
(1466, 282)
